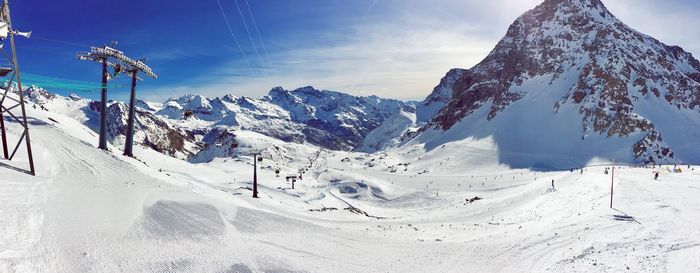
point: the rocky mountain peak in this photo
(309, 90)
(578, 51)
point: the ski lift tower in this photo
(7, 102)
(121, 64)
(132, 68)
(97, 54)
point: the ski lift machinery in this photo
(109, 56)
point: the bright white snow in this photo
(398, 211)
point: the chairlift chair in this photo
(5, 69)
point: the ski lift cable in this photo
(37, 49)
(257, 30)
(158, 94)
(64, 84)
(247, 30)
(176, 93)
(34, 37)
(230, 31)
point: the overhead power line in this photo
(257, 30)
(247, 30)
(60, 41)
(230, 31)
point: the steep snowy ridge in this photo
(441, 95)
(607, 78)
(390, 133)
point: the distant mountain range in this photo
(184, 126)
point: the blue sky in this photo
(391, 48)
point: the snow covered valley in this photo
(93, 211)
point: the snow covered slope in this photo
(89, 210)
(570, 83)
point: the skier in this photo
(552, 183)
(656, 176)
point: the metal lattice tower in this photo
(9, 103)
(110, 57)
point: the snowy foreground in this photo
(95, 211)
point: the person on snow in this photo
(656, 176)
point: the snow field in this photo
(94, 211)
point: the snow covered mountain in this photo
(569, 82)
(198, 128)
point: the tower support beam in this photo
(103, 107)
(15, 80)
(110, 57)
(128, 146)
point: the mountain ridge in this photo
(183, 127)
(610, 67)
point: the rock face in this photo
(616, 78)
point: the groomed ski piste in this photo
(89, 210)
